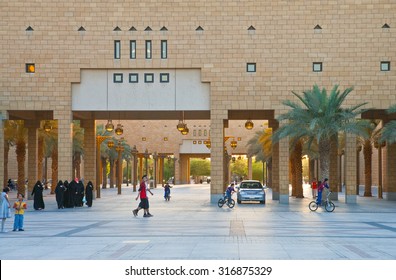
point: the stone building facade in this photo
(249, 55)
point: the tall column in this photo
(65, 143)
(155, 171)
(275, 163)
(32, 126)
(391, 171)
(3, 117)
(250, 168)
(176, 166)
(217, 155)
(350, 168)
(284, 171)
(89, 152)
(162, 168)
(333, 176)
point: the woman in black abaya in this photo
(89, 193)
(59, 192)
(38, 203)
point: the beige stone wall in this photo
(284, 45)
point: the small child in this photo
(167, 192)
(19, 207)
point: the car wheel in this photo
(262, 202)
(239, 202)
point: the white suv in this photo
(251, 190)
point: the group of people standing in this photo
(73, 194)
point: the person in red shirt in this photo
(314, 186)
(142, 193)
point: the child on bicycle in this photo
(321, 186)
(229, 191)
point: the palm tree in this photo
(9, 141)
(367, 144)
(319, 119)
(388, 132)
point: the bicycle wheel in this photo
(313, 206)
(329, 206)
(220, 203)
(231, 204)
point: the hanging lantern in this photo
(110, 144)
(185, 130)
(109, 126)
(119, 130)
(249, 124)
(234, 144)
(181, 126)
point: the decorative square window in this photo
(117, 49)
(117, 77)
(194, 142)
(385, 65)
(143, 138)
(132, 51)
(317, 67)
(148, 49)
(164, 49)
(149, 78)
(164, 77)
(199, 142)
(239, 138)
(133, 77)
(251, 67)
(165, 138)
(30, 68)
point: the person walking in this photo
(89, 193)
(59, 193)
(4, 207)
(314, 187)
(142, 193)
(38, 203)
(19, 207)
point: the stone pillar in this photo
(176, 167)
(333, 170)
(350, 169)
(89, 152)
(162, 168)
(184, 167)
(32, 126)
(155, 172)
(250, 168)
(275, 163)
(284, 171)
(65, 144)
(391, 171)
(217, 155)
(3, 117)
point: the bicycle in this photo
(224, 200)
(328, 204)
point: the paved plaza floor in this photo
(189, 227)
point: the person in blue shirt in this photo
(229, 191)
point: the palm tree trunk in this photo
(21, 154)
(324, 158)
(298, 169)
(54, 168)
(104, 173)
(5, 160)
(111, 173)
(367, 152)
(78, 165)
(293, 174)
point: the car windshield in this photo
(250, 185)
